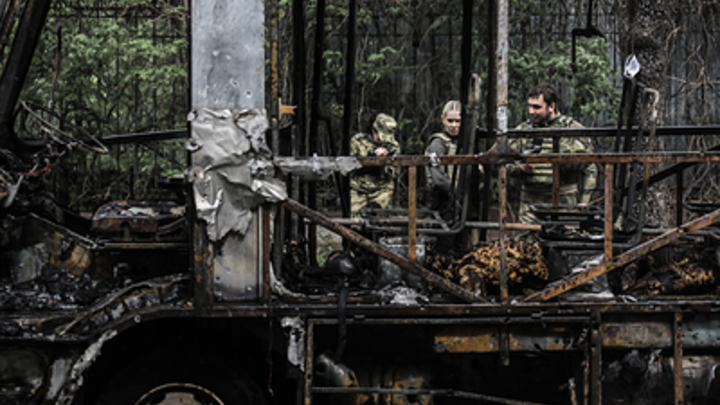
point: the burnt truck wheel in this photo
(179, 393)
(192, 381)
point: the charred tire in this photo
(162, 380)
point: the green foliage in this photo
(591, 88)
(118, 74)
(385, 63)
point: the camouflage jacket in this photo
(372, 179)
(582, 175)
(441, 144)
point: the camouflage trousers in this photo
(543, 196)
(360, 200)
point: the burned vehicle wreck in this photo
(208, 287)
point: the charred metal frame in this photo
(609, 325)
(602, 333)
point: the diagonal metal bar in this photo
(625, 258)
(367, 244)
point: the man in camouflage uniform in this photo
(374, 184)
(536, 179)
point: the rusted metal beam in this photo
(503, 237)
(596, 346)
(202, 267)
(412, 209)
(428, 223)
(675, 169)
(678, 358)
(625, 258)
(553, 158)
(604, 132)
(354, 237)
(609, 176)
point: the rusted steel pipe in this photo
(433, 222)
(610, 132)
(553, 158)
(412, 216)
(675, 169)
(625, 258)
(609, 175)
(678, 357)
(503, 237)
(365, 243)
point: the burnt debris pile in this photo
(681, 269)
(479, 269)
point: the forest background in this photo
(120, 67)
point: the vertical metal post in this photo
(315, 118)
(502, 125)
(265, 253)
(679, 186)
(678, 358)
(349, 87)
(502, 65)
(556, 174)
(490, 119)
(412, 212)
(202, 267)
(272, 12)
(27, 34)
(299, 78)
(309, 359)
(609, 175)
(502, 180)
(596, 357)
(586, 368)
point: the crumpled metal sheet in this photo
(232, 171)
(317, 167)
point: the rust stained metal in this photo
(636, 334)
(495, 156)
(372, 247)
(309, 366)
(526, 336)
(625, 258)
(503, 237)
(678, 357)
(609, 176)
(596, 345)
(202, 267)
(463, 339)
(412, 212)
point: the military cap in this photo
(385, 126)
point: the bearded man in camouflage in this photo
(536, 179)
(374, 184)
